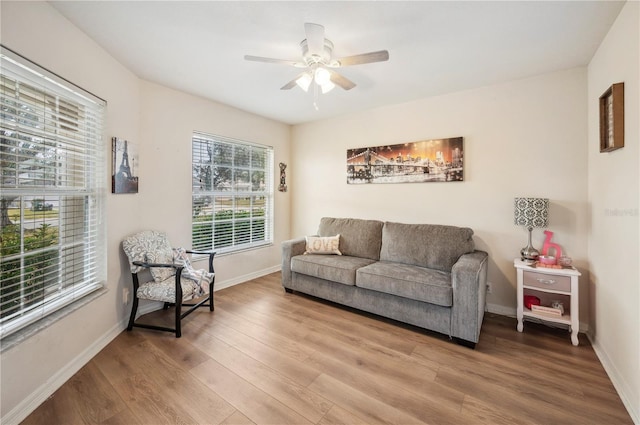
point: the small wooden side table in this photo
(549, 285)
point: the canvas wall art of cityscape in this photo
(437, 160)
(124, 163)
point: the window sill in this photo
(232, 252)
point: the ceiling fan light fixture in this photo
(322, 76)
(318, 62)
(327, 87)
(304, 81)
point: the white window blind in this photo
(51, 192)
(232, 203)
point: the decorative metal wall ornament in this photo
(438, 160)
(283, 177)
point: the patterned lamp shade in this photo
(531, 212)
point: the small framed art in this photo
(123, 166)
(612, 118)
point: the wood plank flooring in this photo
(267, 357)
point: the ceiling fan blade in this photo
(291, 84)
(379, 56)
(340, 80)
(272, 60)
(315, 38)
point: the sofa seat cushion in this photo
(335, 268)
(404, 280)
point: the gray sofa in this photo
(425, 275)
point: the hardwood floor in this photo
(267, 357)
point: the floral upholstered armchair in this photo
(173, 282)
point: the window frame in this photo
(54, 162)
(238, 188)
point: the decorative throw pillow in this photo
(323, 245)
(181, 258)
(161, 256)
(200, 278)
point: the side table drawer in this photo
(547, 281)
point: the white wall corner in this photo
(617, 379)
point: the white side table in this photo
(549, 285)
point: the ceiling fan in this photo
(318, 63)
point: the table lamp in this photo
(530, 212)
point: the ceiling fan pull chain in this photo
(315, 97)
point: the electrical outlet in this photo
(489, 287)
(125, 295)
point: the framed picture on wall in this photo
(436, 160)
(612, 118)
(123, 167)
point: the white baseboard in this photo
(511, 312)
(244, 278)
(618, 381)
(501, 310)
(36, 398)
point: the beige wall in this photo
(614, 185)
(522, 138)
(160, 121)
(532, 137)
(61, 48)
(168, 120)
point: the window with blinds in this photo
(232, 203)
(51, 192)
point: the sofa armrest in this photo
(469, 282)
(290, 249)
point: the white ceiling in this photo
(434, 47)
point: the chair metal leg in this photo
(178, 302)
(178, 319)
(134, 305)
(211, 307)
(134, 309)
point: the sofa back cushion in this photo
(426, 245)
(358, 238)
